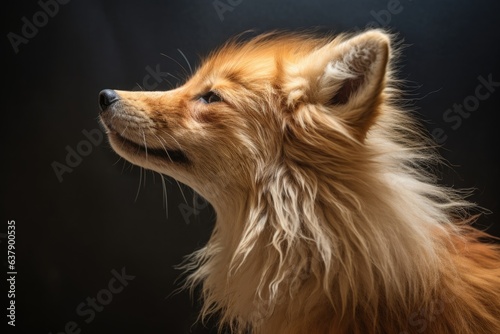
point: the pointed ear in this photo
(347, 76)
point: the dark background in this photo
(71, 235)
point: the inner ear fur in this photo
(356, 77)
(350, 77)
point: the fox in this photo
(329, 214)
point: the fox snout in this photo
(138, 132)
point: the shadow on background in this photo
(95, 247)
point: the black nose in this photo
(106, 98)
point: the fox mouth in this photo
(176, 156)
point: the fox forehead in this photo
(224, 71)
(255, 62)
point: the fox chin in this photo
(328, 219)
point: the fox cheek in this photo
(204, 116)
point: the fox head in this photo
(272, 101)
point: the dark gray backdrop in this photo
(77, 232)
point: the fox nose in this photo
(106, 98)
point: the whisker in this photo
(170, 84)
(186, 73)
(145, 143)
(123, 143)
(117, 161)
(173, 76)
(173, 138)
(165, 194)
(182, 192)
(187, 61)
(121, 133)
(139, 186)
(161, 140)
(146, 150)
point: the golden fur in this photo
(328, 219)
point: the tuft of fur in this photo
(329, 218)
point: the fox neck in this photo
(371, 239)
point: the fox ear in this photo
(348, 76)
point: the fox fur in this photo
(329, 219)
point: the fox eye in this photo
(210, 97)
